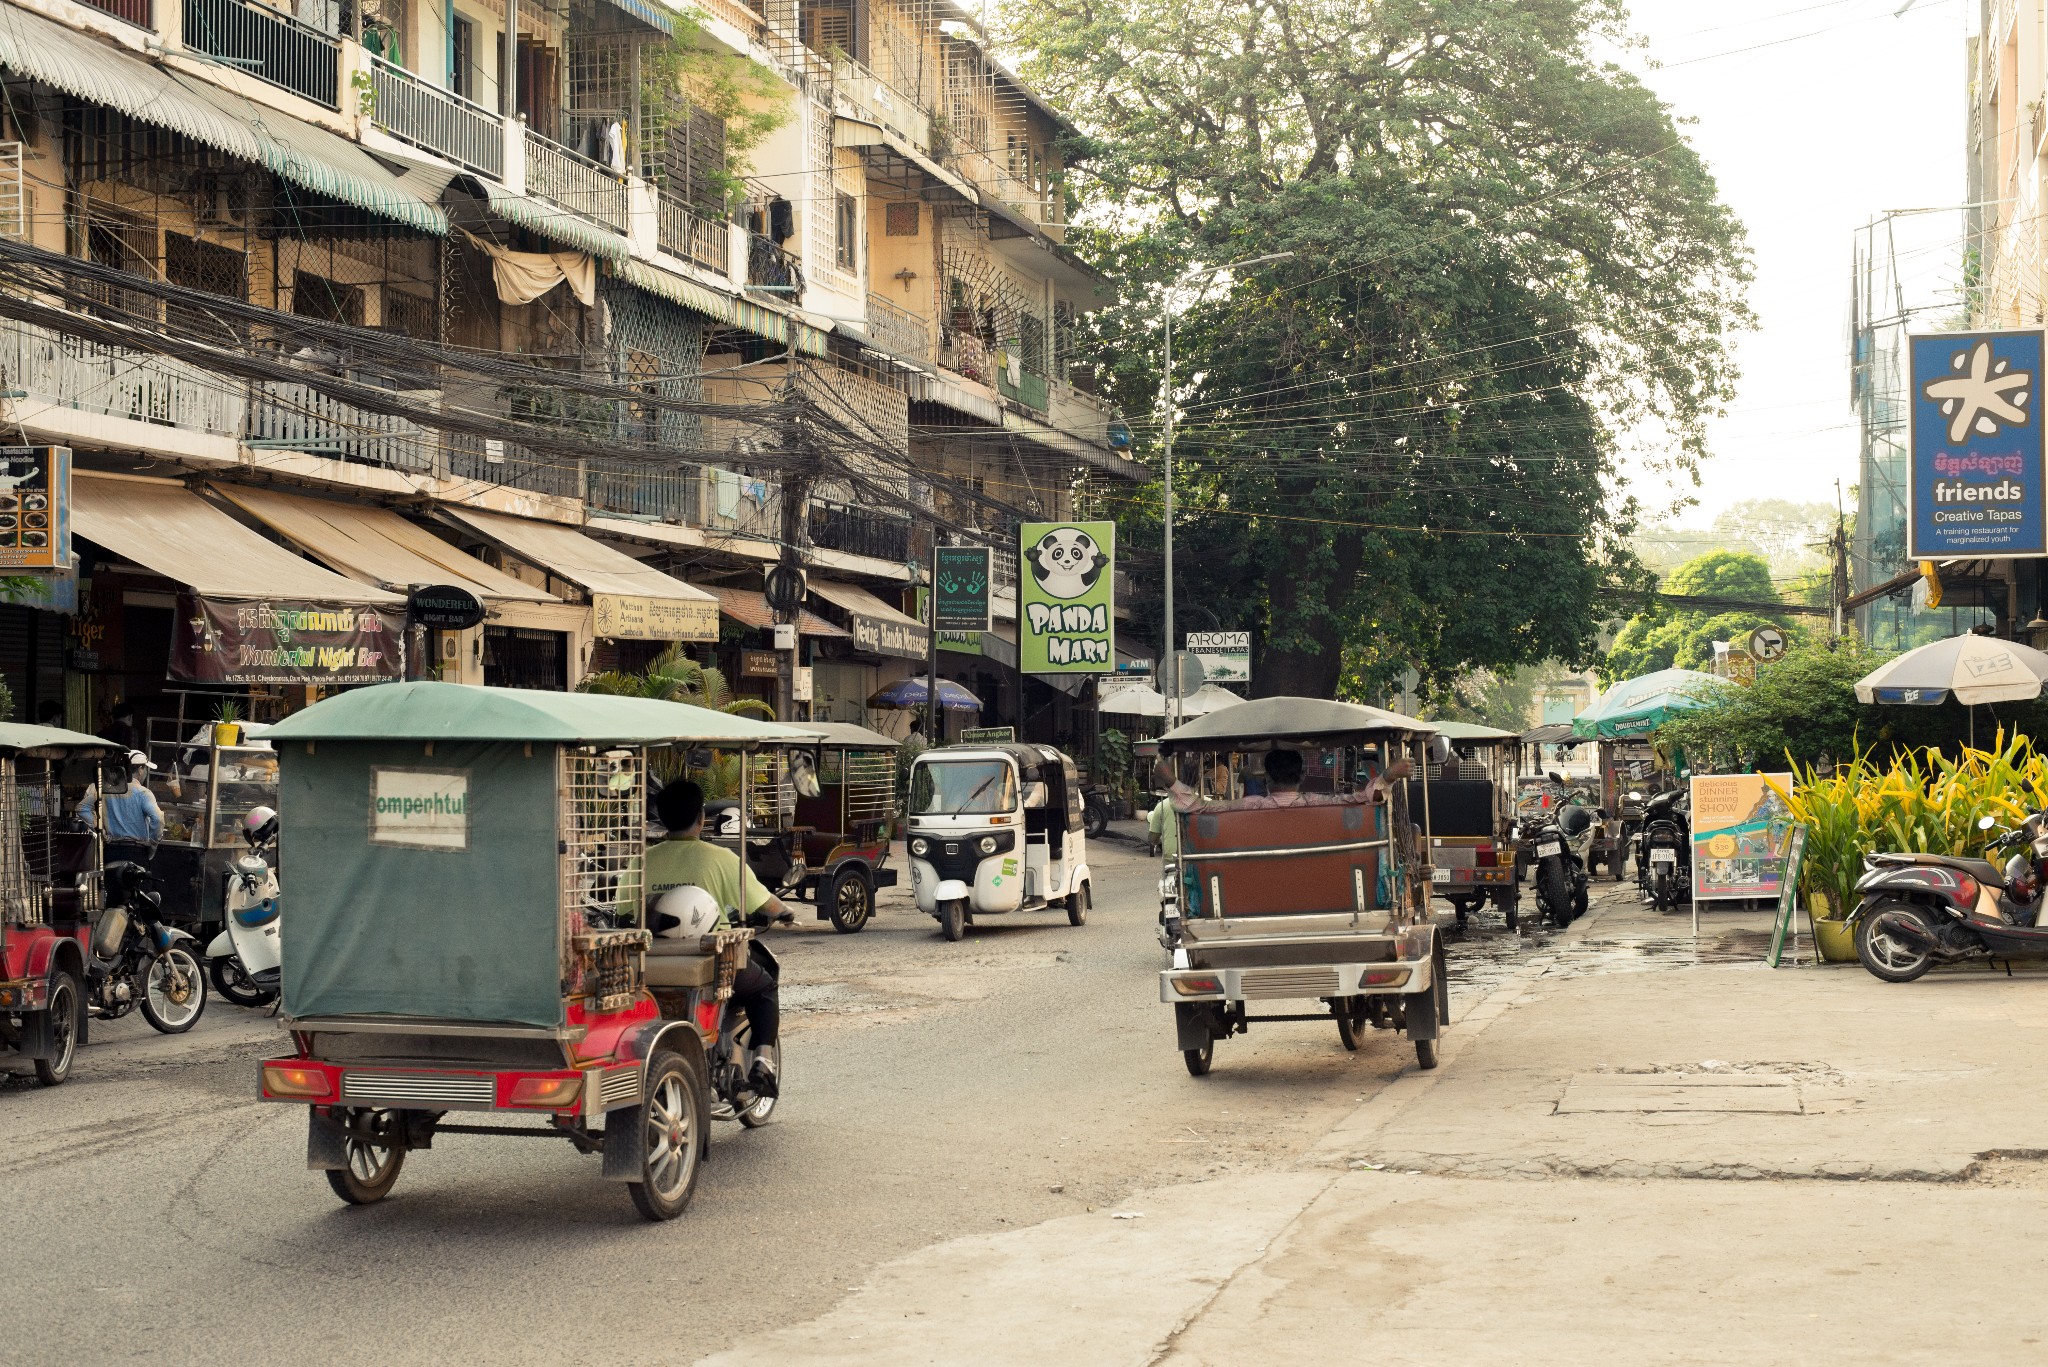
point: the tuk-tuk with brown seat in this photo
(1470, 801)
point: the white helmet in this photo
(684, 913)
(259, 825)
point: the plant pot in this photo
(227, 733)
(1833, 938)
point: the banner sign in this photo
(630, 617)
(1977, 476)
(35, 507)
(1739, 832)
(961, 574)
(887, 636)
(1066, 600)
(987, 735)
(283, 643)
(423, 809)
(1226, 656)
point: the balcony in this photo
(89, 377)
(1020, 385)
(137, 12)
(744, 505)
(898, 331)
(575, 182)
(772, 270)
(438, 120)
(488, 460)
(670, 492)
(292, 417)
(268, 45)
(690, 235)
(858, 531)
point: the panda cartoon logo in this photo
(1067, 562)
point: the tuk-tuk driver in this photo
(685, 858)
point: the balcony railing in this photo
(291, 417)
(271, 46)
(858, 531)
(898, 331)
(574, 181)
(772, 270)
(424, 115)
(70, 372)
(733, 502)
(137, 12)
(670, 493)
(483, 460)
(1015, 382)
(690, 234)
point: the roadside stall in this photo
(1621, 720)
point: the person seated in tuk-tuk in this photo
(685, 858)
(1283, 769)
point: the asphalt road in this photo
(158, 1212)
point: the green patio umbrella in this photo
(1636, 707)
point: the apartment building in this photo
(334, 301)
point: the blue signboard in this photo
(1977, 472)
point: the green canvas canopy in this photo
(19, 736)
(1473, 732)
(446, 711)
(1636, 707)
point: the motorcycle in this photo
(1917, 911)
(1664, 850)
(137, 960)
(244, 959)
(731, 1059)
(1095, 809)
(1560, 839)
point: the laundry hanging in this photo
(523, 277)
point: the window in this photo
(409, 314)
(830, 29)
(900, 219)
(848, 234)
(462, 58)
(315, 296)
(200, 265)
(115, 239)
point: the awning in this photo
(629, 601)
(723, 308)
(653, 15)
(878, 628)
(163, 526)
(875, 141)
(539, 216)
(377, 545)
(749, 607)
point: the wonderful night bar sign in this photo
(283, 643)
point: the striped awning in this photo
(723, 308)
(749, 607)
(569, 229)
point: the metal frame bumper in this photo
(377, 1086)
(1269, 983)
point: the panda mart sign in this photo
(1066, 601)
(422, 809)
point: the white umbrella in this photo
(1206, 699)
(1970, 669)
(1131, 699)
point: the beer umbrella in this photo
(1970, 669)
(910, 694)
(1638, 706)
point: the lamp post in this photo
(1169, 659)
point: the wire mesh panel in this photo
(870, 778)
(21, 901)
(770, 794)
(604, 837)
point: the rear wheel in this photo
(1351, 1024)
(67, 1014)
(953, 919)
(173, 991)
(850, 901)
(372, 1168)
(757, 1114)
(1199, 1060)
(671, 1123)
(1077, 906)
(1094, 817)
(1889, 957)
(1425, 1053)
(1554, 891)
(231, 982)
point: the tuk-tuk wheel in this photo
(67, 1015)
(1199, 1060)
(953, 919)
(371, 1172)
(1425, 1053)
(671, 1123)
(850, 901)
(1351, 1021)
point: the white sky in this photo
(1809, 138)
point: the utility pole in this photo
(1838, 582)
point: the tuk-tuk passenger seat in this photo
(1322, 860)
(679, 963)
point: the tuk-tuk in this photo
(468, 935)
(1326, 898)
(1471, 807)
(994, 829)
(50, 892)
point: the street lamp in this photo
(1170, 659)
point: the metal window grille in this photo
(202, 265)
(316, 296)
(13, 197)
(603, 837)
(411, 314)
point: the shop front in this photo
(883, 644)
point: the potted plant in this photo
(1832, 811)
(227, 723)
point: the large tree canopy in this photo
(1398, 448)
(1663, 636)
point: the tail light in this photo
(293, 1081)
(545, 1092)
(1486, 859)
(1966, 889)
(1198, 984)
(1384, 977)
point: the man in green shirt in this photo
(685, 859)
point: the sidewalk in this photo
(1546, 1195)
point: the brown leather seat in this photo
(679, 963)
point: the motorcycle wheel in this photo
(1199, 1061)
(372, 1170)
(672, 1125)
(1579, 901)
(850, 901)
(760, 1108)
(67, 1018)
(1094, 818)
(231, 982)
(1553, 893)
(173, 991)
(1886, 956)
(953, 919)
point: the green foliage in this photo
(689, 72)
(1113, 760)
(6, 701)
(1804, 705)
(1724, 574)
(1666, 637)
(1399, 447)
(673, 676)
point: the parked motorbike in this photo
(1916, 911)
(1095, 809)
(1559, 840)
(1664, 850)
(244, 958)
(137, 960)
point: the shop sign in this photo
(422, 809)
(883, 636)
(961, 642)
(961, 576)
(631, 617)
(283, 643)
(1066, 598)
(760, 664)
(35, 507)
(443, 607)
(1740, 829)
(1225, 656)
(987, 735)
(1977, 476)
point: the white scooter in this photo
(244, 958)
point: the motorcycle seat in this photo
(1983, 870)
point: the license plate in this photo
(1663, 856)
(1440, 876)
(1548, 848)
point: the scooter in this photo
(1560, 840)
(1916, 911)
(137, 960)
(1664, 851)
(245, 958)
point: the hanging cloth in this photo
(523, 277)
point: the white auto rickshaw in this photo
(994, 829)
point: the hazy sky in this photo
(1809, 137)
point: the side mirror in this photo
(1034, 794)
(1439, 750)
(1556, 777)
(1985, 823)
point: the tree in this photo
(1399, 447)
(1666, 636)
(1724, 574)
(673, 676)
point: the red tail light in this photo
(1966, 889)
(1486, 859)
